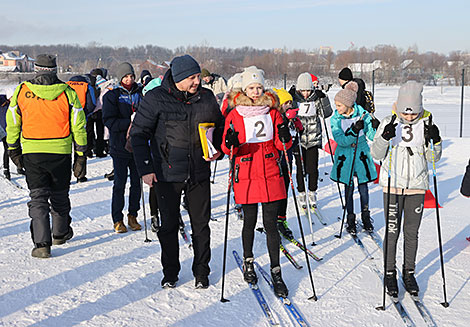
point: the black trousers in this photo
(310, 164)
(198, 199)
(153, 202)
(6, 158)
(48, 177)
(250, 215)
(95, 143)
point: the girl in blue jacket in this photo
(351, 126)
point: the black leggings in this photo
(250, 213)
(310, 165)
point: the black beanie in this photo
(346, 74)
(183, 67)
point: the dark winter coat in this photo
(3, 110)
(465, 188)
(257, 173)
(169, 119)
(118, 106)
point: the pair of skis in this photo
(287, 304)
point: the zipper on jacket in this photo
(237, 169)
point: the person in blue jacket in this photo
(351, 126)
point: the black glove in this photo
(390, 130)
(16, 156)
(356, 128)
(431, 132)
(79, 166)
(284, 133)
(375, 123)
(320, 94)
(231, 139)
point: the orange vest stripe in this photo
(43, 119)
(81, 88)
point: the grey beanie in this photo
(124, 69)
(304, 82)
(251, 75)
(184, 66)
(45, 62)
(410, 98)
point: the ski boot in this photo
(155, 223)
(391, 283)
(249, 274)
(239, 211)
(7, 174)
(351, 219)
(366, 222)
(280, 287)
(409, 280)
(283, 228)
(303, 200)
(312, 199)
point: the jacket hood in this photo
(48, 92)
(269, 98)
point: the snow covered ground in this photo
(100, 278)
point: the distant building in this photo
(366, 67)
(153, 67)
(15, 61)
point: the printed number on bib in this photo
(258, 129)
(307, 109)
(409, 135)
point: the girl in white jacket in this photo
(410, 131)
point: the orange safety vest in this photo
(81, 88)
(43, 119)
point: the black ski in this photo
(298, 244)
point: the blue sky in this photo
(440, 26)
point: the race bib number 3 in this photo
(258, 129)
(307, 109)
(409, 135)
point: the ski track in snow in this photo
(100, 278)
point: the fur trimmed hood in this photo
(269, 98)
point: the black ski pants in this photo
(310, 165)
(411, 208)
(250, 216)
(48, 177)
(198, 199)
(95, 123)
(6, 158)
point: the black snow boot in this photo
(61, 239)
(391, 283)
(411, 285)
(279, 287)
(202, 282)
(351, 219)
(42, 251)
(249, 273)
(365, 215)
(169, 282)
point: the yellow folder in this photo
(205, 135)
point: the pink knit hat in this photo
(346, 97)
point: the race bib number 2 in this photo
(258, 128)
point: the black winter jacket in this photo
(465, 188)
(169, 119)
(118, 107)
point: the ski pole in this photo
(445, 304)
(302, 168)
(387, 217)
(314, 296)
(331, 152)
(349, 188)
(143, 208)
(213, 175)
(230, 181)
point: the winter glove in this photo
(284, 133)
(79, 166)
(356, 128)
(431, 132)
(231, 139)
(16, 156)
(319, 94)
(375, 123)
(291, 113)
(298, 126)
(390, 130)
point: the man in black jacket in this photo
(168, 117)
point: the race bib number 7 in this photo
(307, 109)
(258, 128)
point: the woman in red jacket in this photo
(255, 132)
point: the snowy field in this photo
(100, 278)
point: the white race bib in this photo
(346, 123)
(307, 109)
(258, 128)
(409, 135)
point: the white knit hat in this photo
(235, 82)
(410, 99)
(252, 75)
(304, 82)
